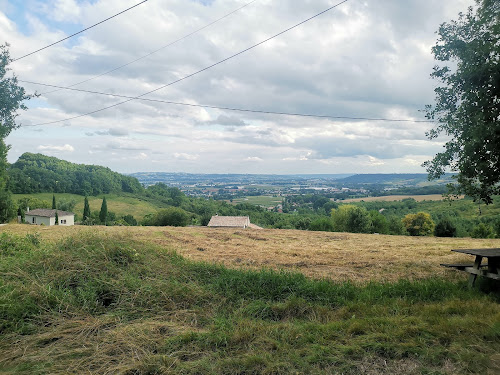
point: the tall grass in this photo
(114, 305)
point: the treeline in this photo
(37, 173)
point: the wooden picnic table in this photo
(490, 269)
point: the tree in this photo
(419, 224)
(445, 228)
(352, 219)
(53, 202)
(104, 211)
(86, 210)
(483, 230)
(57, 219)
(467, 104)
(171, 216)
(12, 97)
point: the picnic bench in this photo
(490, 269)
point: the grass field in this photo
(337, 256)
(392, 198)
(260, 200)
(119, 204)
(111, 300)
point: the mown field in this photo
(392, 198)
(139, 300)
(260, 200)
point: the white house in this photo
(48, 217)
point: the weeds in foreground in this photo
(113, 305)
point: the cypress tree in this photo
(57, 219)
(86, 210)
(53, 202)
(104, 211)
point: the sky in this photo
(369, 59)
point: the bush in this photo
(323, 224)
(396, 226)
(445, 228)
(483, 231)
(419, 224)
(172, 216)
(352, 219)
(130, 220)
(379, 223)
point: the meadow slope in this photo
(121, 300)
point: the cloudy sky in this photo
(365, 58)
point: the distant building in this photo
(48, 217)
(229, 222)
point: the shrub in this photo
(379, 223)
(445, 228)
(172, 216)
(419, 224)
(323, 224)
(483, 230)
(352, 219)
(130, 220)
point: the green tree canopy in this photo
(86, 210)
(419, 224)
(103, 214)
(12, 97)
(467, 103)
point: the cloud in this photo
(227, 121)
(184, 156)
(362, 59)
(50, 148)
(254, 158)
(115, 132)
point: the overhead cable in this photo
(79, 32)
(157, 50)
(226, 108)
(199, 71)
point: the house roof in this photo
(43, 212)
(229, 221)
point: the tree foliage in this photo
(354, 219)
(103, 214)
(445, 228)
(419, 224)
(86, 210)
(467, 104)
(172, 216)
(12, 97)
(37, 173)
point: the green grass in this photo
(96, 305)
(119, 204)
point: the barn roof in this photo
(229, 221)
(43, 212)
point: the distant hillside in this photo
(405, 179)
(37, 173)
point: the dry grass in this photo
(337, 256)
(96, 345)
(392, 198)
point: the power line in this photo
(226, 108)
(199, 71)
(157, 50)
(79, 32)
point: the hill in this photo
(398, 179)
(37, 173)
(105, 301)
